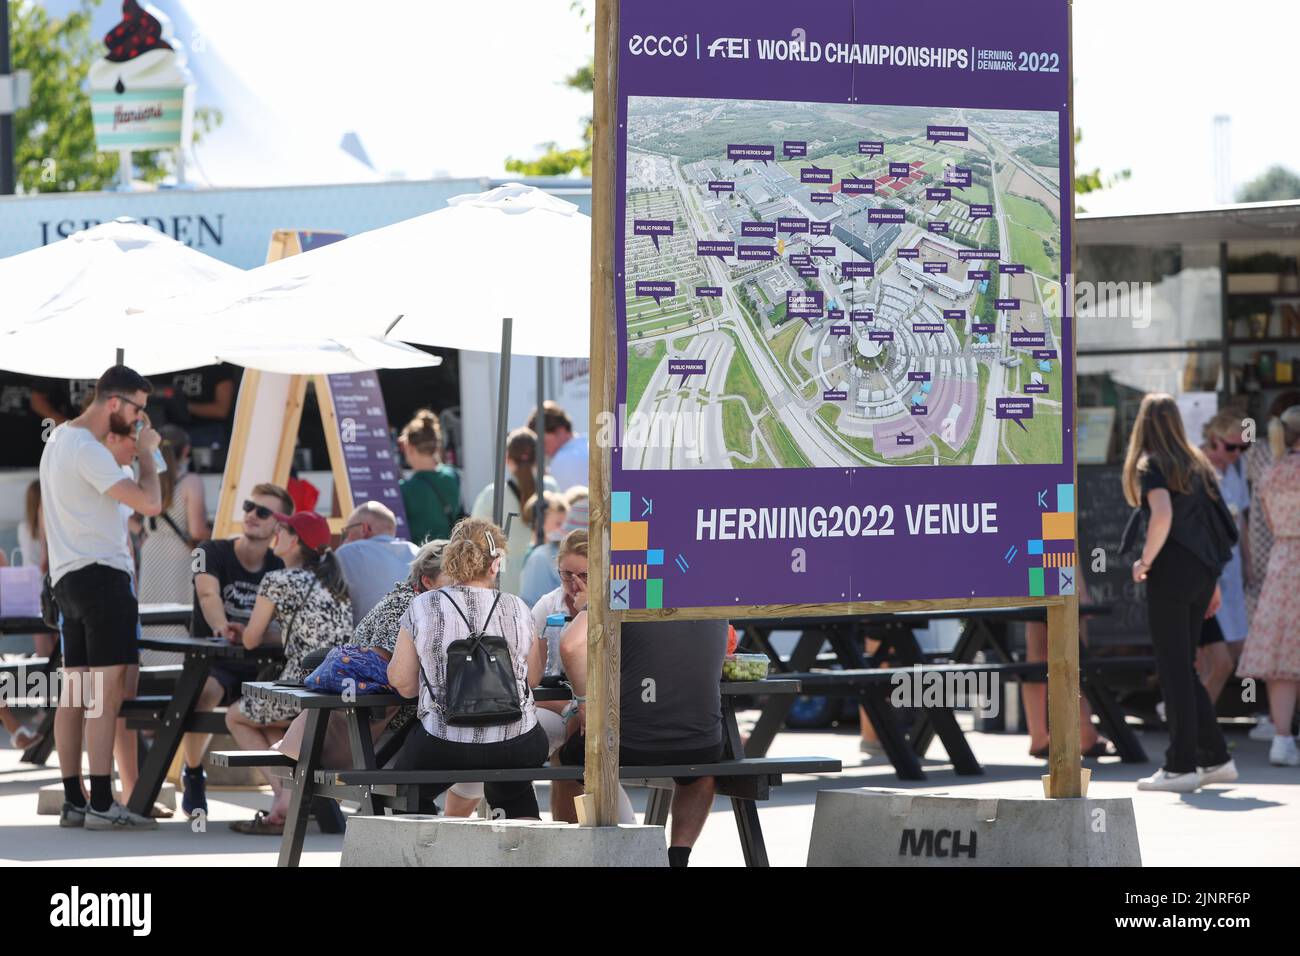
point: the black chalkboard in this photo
(1103, 512)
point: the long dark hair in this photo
(325, 565)
(1158, 438)
(521, 448)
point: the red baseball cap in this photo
(311, 528)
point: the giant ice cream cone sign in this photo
(142, 96)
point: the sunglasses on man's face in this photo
(1231, 446)
(136, 405)
(261, 511)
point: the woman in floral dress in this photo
(1272, 650)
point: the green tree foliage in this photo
(555, 161)
(1273, 185)
(1091, 181)
(55, 135)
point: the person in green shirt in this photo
(432, 492)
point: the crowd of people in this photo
(116, 531)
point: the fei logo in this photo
(76, 909)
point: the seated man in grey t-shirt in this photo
(373, 558)
(670, 710)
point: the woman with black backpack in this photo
(470, 654)
(1188, 541)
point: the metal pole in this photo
(6, 119)
(503, 401)
(539, 516)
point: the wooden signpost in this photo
(609, 286)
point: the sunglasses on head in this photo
(260, 510)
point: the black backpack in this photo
(481, 687)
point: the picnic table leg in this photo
(363, 750)
(656, 807)
(40, 751)
(875, 700)
(304, 780)
(777, 708)
(944, 722)
(167, 738)
(748, 827)
(1111, 716)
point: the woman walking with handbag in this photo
(308, 599)
(470, 654)
(1188, 541)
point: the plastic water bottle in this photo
(159, 462)
(554, 628)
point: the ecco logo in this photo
(658, 46)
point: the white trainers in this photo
(117, 817)
(1223, 773)
(1162, 780)
(1160, 710)
(1263, 729)
(1283, 753)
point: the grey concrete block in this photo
(421, 840)
(898, 828)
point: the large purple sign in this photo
(806, 434)
(373, 467)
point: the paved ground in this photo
(1254, 822)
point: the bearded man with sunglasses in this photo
(228, 575)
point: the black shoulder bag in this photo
(481, 688)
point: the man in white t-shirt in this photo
(82, 489)
(566, 452)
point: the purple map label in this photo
(858, 187)
(835, 315)
(814, 174)
(909, 253)
(852, 268)
(938, 193)
(767, 230)
(794, 147)
(821, 199)
(881, 335)
(714, 247)
(685, 367)
(920, 410)
(708, 291)
(1028, 340)
(981, 211)
(804, 303)
(819, 228)
(965, 255)
(977, 274)
(958, 314)
(939, 227)
(904, 439)
(983, 328)
(957, 176)
(950, 134)
(740, 153)
(900, 170)
(791, 224)
(1011, 268)
(1039, 388)
(1044, 353)
(918, 376)
(884, 214)
(657, 290)
(721, 186)
(933, 328)
(841, 330)
(835, 395)
(807, 272)
(870, 147)
(800, 259)
(654, 228)
(935, 267)
(824, 252)
(752, 253)
(861, 315)
(1014, 409)
(1007, 305)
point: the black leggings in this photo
(1179, 589)
(423, 751)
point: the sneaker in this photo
(1160, 710)
(117, 817)
(1283, 753)
(195, 797)
(1174, 782)
(72, 815)
(1263, 729)
(1225, 772)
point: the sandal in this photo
(1040, 753)
(258, 825)
(160, 812)
(24, 737)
